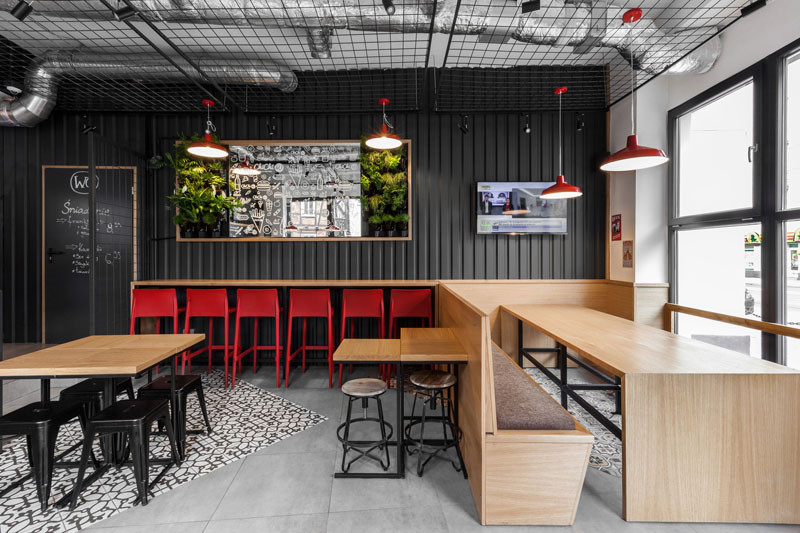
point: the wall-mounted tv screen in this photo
(516, 207)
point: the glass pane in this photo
(791, 300)
(719, 269)
(792, 152)
(714, 169)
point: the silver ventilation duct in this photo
(581, 24)
(41, 82)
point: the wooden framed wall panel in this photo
(406, 142)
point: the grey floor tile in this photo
(463, 518)
(275, 485)
(309, 523)
(190, 502)
(408, 519)
(185, 527)
(366, 494)
(320, 438)
(744, 528)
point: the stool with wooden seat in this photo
(40, 423)
(361, 303)
(305, 304)
(431, 385)
(184, 386)
(211, 304)
(364, 389)
(132, 418)
(255, 304)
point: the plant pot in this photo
(189, 233)
(220, 231)
(402, 229)
(391, 233)
(204, 234)
(375, 230)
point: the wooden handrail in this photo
(766, 327)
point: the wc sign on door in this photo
(616, 227)
(79, 182)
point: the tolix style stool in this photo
(364, 389)
(134, 419)
(431, 385)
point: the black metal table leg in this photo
(401, 450)
(519, 343)
(44, 391)
(562, 363)
(180, 436)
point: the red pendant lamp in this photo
(384, 139)
(561, 189)
(633, 156)
(207, 148)
(245, 168)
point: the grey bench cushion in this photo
(520, 402)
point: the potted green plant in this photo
(376, 225)
(384, 189)
(389, 225)
(402, 224)
(200, 200)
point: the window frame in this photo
(769, 134)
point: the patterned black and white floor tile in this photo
(606, 453)
(244, 420)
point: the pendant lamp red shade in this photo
(384, 139)
(633, 156)
(245, 169)
(207, 148)
(561, 189)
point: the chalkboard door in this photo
(66, 252)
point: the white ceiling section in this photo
(355, 47)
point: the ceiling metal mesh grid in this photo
(289, 56)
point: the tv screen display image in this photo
(516, 207)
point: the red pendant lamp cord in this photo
(386, 122)
(559, 134)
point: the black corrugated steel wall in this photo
(446, 164)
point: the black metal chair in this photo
(430, 385)
(364, 389)
(133, 419)
(40, 423)
(184, 386)
(91, 391)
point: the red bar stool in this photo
(158, 304)
(407, 303)
(211, 304)
(256, 303)
(309, 303)
(361, 303)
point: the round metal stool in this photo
(430, 386)
(364, 389)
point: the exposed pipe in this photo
(581, 24)
(41, 81)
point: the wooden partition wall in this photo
(471, 308)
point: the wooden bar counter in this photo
(709, 435)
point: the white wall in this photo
(747, 41)
(645, 196)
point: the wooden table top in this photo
(285, 283)
(368, 351)
(431, 345)
(99, 355)
(622, 347)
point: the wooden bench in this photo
(536, 452)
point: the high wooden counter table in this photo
(430, 345)
(709, 435)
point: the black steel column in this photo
(92, 236)
(562, 364)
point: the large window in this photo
(715, 145)
(735, 214)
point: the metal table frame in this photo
(570, 390)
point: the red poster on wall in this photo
(616, 227)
